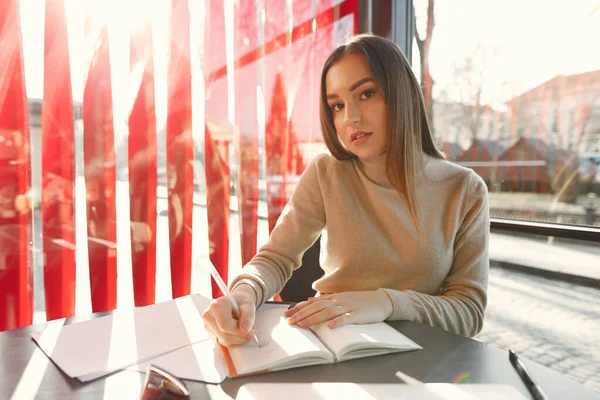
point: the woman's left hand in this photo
(341, 309)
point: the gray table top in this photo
(445, 356)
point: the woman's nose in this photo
(352, 114)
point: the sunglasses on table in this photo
(162, 385)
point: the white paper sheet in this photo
(94, 348)
(201, 362)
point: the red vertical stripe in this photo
(217, 197)
(15, 214)
(303, 98)
(323, 45)
(295, 162)
(350, 7)
(246, 79)
(99, 170)
(216, 142)
(58, 171)
(278, 40)
(276, 130)
(276, 134)
(142, 169)
(180, 155)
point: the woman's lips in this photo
(360, 136)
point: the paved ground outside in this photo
(554, 323)
(575, 261)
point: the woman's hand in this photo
(342, 309)
(224, 324)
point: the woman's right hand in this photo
(224, 324)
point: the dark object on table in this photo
(161, 385)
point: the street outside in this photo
(551, 322)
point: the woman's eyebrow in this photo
(352, 87)
(360, 82)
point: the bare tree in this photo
(471, 87)
(424, 44)
(469, 78)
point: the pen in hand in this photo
(227, 293)
(535, 390)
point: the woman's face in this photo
(359, 111)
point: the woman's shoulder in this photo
(324, 164)
(441, 170)
(321, 160)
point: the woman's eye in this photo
(367, 94)
(336, 107)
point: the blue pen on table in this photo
(535, 390)
(227, 293)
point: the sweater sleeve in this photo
(460, 306)
(298, 227)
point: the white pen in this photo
(227, 293)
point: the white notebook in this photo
(282, 346)
(354, 391)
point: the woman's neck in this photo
(374, 169)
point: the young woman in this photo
(404, 232)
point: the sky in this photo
(533, 40)
(530, 41)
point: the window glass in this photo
(514, 93)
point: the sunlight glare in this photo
(31, 379)
(126, 15)
(123, 339)
(123, 347)
(448, 391)
(194, 327)
(409, 380)
(123, 386)
(341, 391)
(191, 318)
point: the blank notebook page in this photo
(278, 339)
(379, 334)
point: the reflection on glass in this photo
(523, 114)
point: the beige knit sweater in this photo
(369, 240)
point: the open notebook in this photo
(282, 346)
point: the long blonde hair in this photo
(410, 134)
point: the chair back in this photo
(299, 287)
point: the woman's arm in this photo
(460, 306)
(298, 227)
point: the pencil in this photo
(227, 293)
